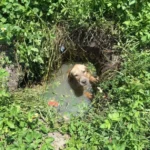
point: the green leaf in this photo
(141, 91)
(34, 49)
(144, 38)
(22, 124)
(73, 127)
(49, 140)
(46, 146)
(106, 125)
(10, 124)
(114, 116)
(122, 146)
(3, 93)
(109, 4)
(15, 109)
(127, 23)
(44, 129)
(131, 2)
(38, 59)
(118, 6)
(29, 137)
(3, 20)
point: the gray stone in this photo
(59, 140)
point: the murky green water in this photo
(60, 90)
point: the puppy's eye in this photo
(75, 75)
(83, 71)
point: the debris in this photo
(53, 103)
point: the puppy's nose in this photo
(83, 81)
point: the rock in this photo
(8, 62)
(59, 140)
(15, 77)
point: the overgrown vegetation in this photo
(122, 118)
(40, 35)
(20, 126)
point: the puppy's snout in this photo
(83, 81)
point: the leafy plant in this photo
(20, 129)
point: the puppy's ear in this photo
(69, 75)
(86, 69)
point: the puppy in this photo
(81, 80)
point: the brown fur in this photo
(80, 79)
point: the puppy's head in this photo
(78, 74)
